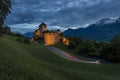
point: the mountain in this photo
(28, 35)
(105, 21)
(102, 30)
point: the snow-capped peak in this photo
(105, 21)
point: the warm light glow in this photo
(32, 40)
(37, 33)
(51, 38)
(65, 41)
(44, 28)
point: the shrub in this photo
(87, 48)
(110, 52)
(72, 45)
(77, 40)
(74, 42)
(81, 50)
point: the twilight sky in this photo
(61, 13)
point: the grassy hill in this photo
(20, 61)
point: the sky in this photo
(26, 15)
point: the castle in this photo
(49, 37)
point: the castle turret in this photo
(43, 27)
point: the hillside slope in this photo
(20, 61)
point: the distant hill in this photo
(102, 30)
(28, 34)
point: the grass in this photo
(20, 61)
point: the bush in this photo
(87, 48)
(72, 45)
(81, 50)
(110, 52)
(74, 42)
(77, 40)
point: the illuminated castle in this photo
(49, 37)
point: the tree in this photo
(6, 30)
(116, 40)
(87, 48)
(5, 6)
(72, 45)
(111, 51)
(76, 41)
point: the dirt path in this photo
(68, 56)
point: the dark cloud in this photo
(62, 12)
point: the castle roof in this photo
(42, 24)
(52, 31)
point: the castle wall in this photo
(51, 38)
(37, 34)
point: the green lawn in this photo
(20, 61)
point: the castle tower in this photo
(43, 27)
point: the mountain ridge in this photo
(102, 30)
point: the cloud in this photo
(26, 27)
(64, 13)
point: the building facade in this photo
(49, 37)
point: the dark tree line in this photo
(109, 51)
